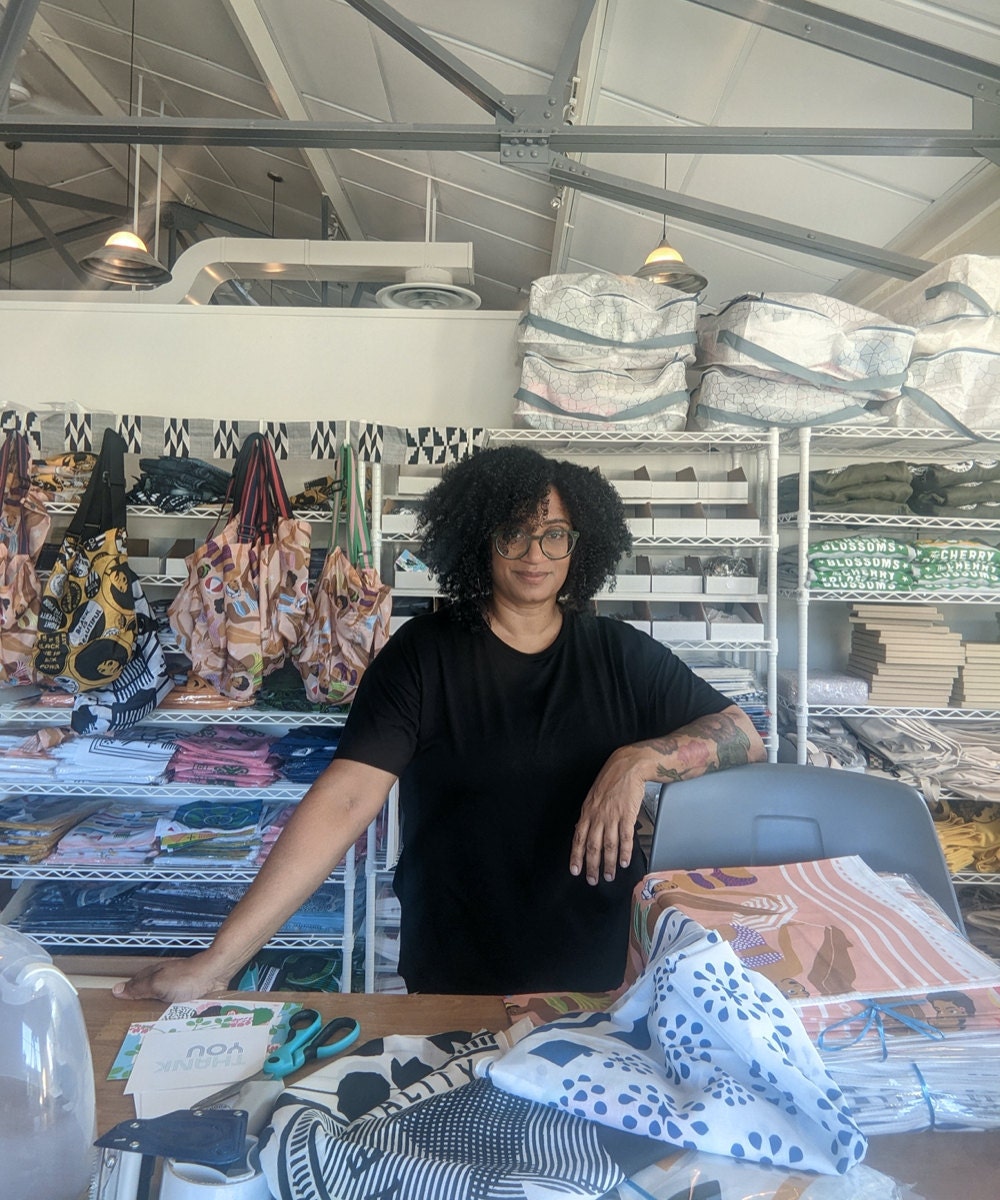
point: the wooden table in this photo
(938, 1166)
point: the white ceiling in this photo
(664, 64)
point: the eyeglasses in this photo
(555, 543)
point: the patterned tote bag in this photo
(24, 525)
(244, 603)
(348, 620)
(86, 622)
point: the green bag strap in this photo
(359, 538)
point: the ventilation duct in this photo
(435, 267)
(427, 287)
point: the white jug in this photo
(47, 1104)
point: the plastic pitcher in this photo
(47, 1107)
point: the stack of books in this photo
(978, 682)
(907, 654)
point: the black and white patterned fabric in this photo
(408, 1117)
(176, 437)
(129, 430)
(225, 439)
(79, 433)
(323, 441)
(437, 445)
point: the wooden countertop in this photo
(938, 1166)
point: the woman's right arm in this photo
(328, 820)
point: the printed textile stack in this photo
(224, 755)
(965, 564)
(861, 563)
(791, 359)
(969, 489)
(954, 373)
(605, 352)
(906, 652)
(903, 1010)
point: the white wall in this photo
(402, 368)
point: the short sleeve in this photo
(384, 722)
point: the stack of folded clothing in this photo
(605, 352)
(174, 484)
(230, 831)
(958, 564)
(884, 488)
(306, 752)
(117, 834)
(906, 653)
(31, 826)
(861, 562)
(970, 489)
(978, 683)
(224, 755)
(134, 756)
(791, 359)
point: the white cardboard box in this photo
(414, 581)
(640, 526)
(735, 631)
(731, 585)
(679, 631)
(627, 587)
(732, 527)
(399, 522)
(736, 490)
(676, 526)
(149, 564)
(676, 491)
(416, 485)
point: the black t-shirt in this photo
(496, 750)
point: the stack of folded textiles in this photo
(956, 564)
(969, 489)
(118, 834)
(883, 488)
(906, 652)
(31, 826)
(861, 562)
(978, 683)
(224, 755)
(135, 756)
(306, 752)
(904, 1011)
(230, 831)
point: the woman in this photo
(523, 730)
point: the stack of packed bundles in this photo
(906, 652)
(970, 489)
(903, 1010)
(230, 832)
(978, 682)
(31, 826)
(64, 476)
(224, 755)
(954, 372)
(964, 564)
(118, 834)
(605, 352)
(791, 359)
(863, 562)
(174, 484)
(883, 488)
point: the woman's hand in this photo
(174, 979)
(602, 840)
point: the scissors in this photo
(308, 1040)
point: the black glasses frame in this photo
(573, 535)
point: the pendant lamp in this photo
(665, 264)
(124, 258)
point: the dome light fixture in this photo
(665, 264)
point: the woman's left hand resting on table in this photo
(602, 841)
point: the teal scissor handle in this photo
(308, 1039)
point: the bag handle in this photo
(12, 498)
(359, 538)
(103, 504)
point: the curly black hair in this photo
(507, 486)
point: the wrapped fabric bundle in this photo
(967, 285)
(727, 399)
(813, 338)
(953, 378)
(616, 321)
(574, 396)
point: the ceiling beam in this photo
(14, 26)
(734, 220)
(871, 43)
(430, 52)
(11, 186)
(260, 41)
(51, 195)
(569, 56)
(608, 139)
(92, 229)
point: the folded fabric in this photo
(699, 1052)
(407, 1117)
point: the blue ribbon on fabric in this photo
(925, 1091)
(873, 1015)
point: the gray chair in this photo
(765, 814)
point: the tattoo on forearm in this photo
(687, 750)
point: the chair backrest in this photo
(764, 814)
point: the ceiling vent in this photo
(427, 287)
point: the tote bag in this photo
(348, 620)
(86, 621)
(24, 524)
(244, 603)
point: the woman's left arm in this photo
(605, 829)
